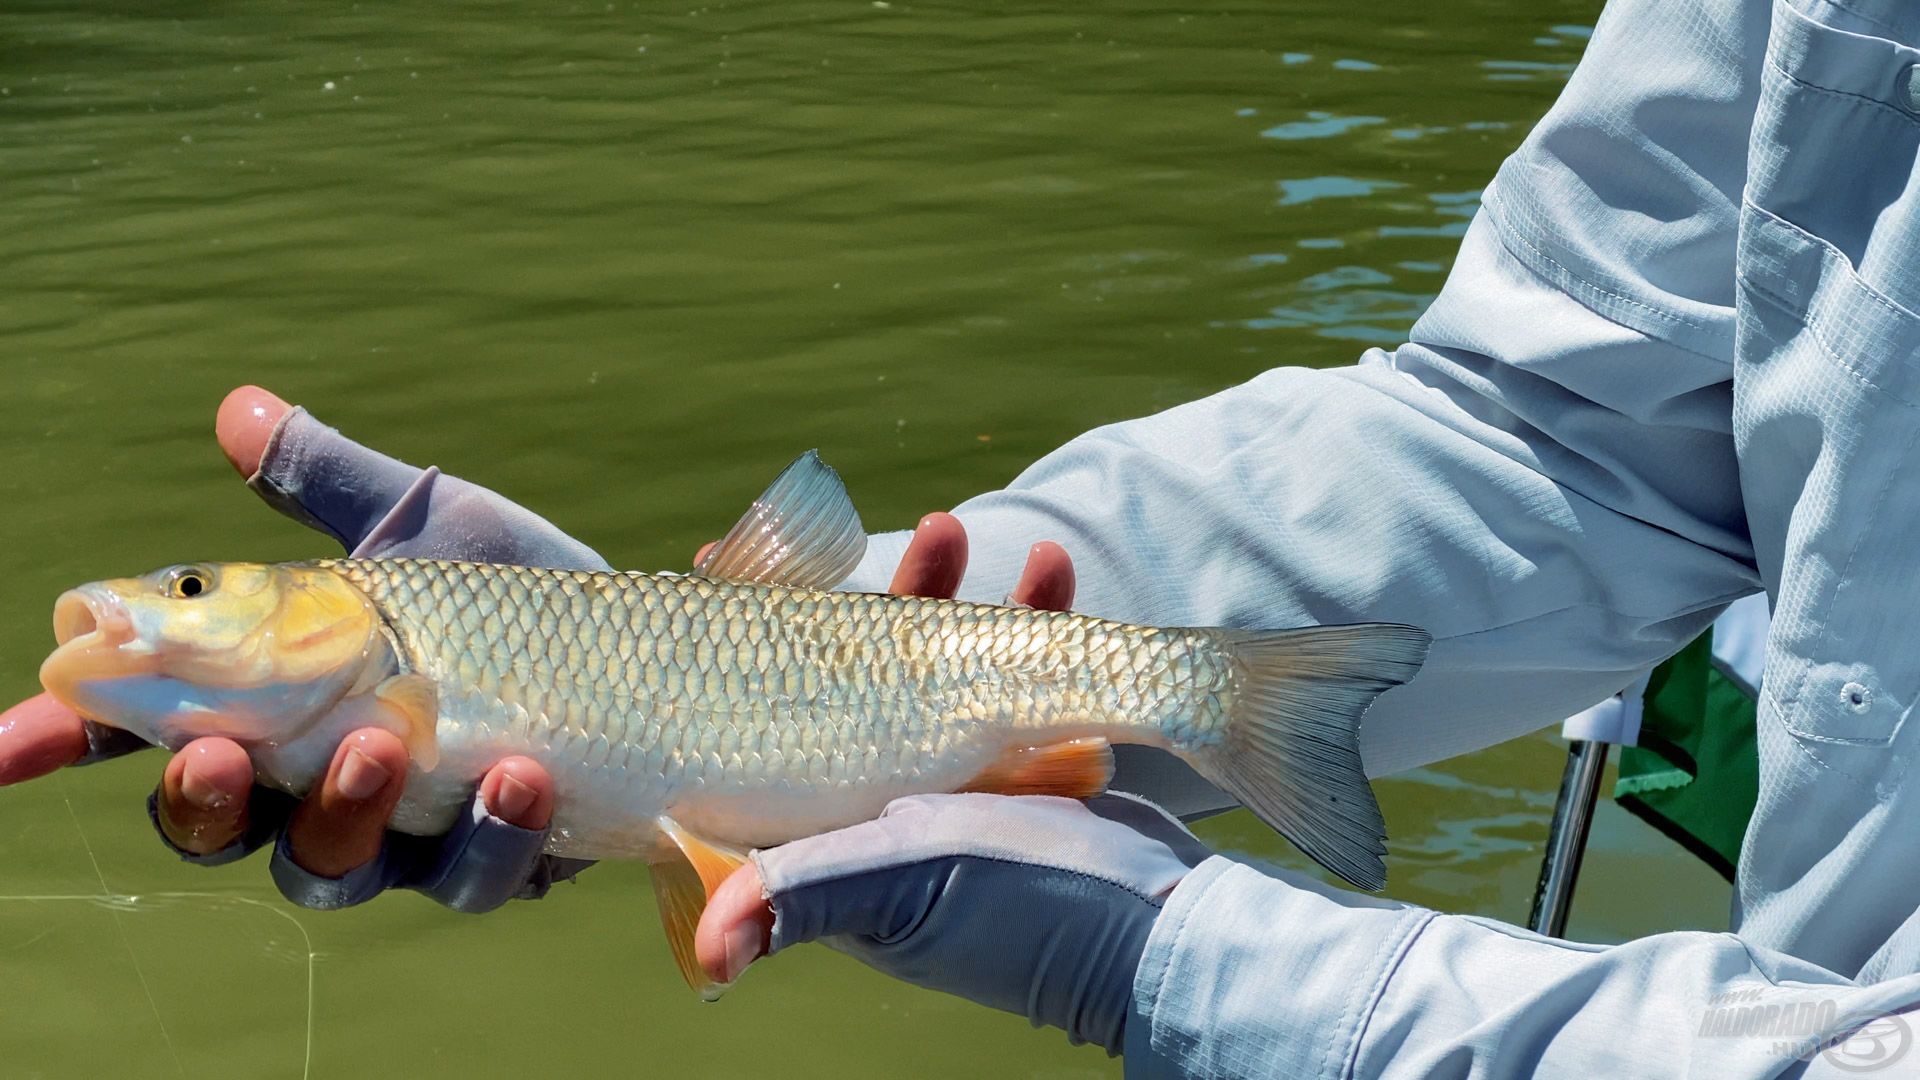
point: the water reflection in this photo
(1349, 303)
(1320, 125)
(1295, 192)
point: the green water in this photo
(621, 264)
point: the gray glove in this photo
(376, 507)
(1039, 906)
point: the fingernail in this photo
(512, 798)
(201, 792)
(361, 777)
(745, 944)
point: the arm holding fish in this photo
(1054, 910)
(1551, 491)
(1553, 496)
(1108, 920)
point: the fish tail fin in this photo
(1291, 752)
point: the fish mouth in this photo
(89, 616)
(90, 624)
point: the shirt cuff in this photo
(1247, 975)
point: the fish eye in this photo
(187, 582)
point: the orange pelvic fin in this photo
(683, 880)
(1076, 769)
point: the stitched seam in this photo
(1603, 290)
(1847, 7)
(1379, 989)
(1818, 89)
(1826, 610)
(1788, 703)
(1853, 275)
(1348, 1022)
(1174, 951)
(1819, 337)
(1329, 1067)
(1873, 515)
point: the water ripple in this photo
(1309, 189)
(1320, 125)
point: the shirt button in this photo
(1856, 697)
(1910, 79)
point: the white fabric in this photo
(1615, 720)
(1740, 640)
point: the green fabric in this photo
(1696, 773)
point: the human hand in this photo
(1036, 905)
(334, 848)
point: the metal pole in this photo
(1567, 836)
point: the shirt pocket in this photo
(1827, 383)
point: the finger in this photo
(519, 792)
(342, 825)
(379, 506)
(935, 559)
(701, 556)
(38, 736)
(494, 855)
(245, 423)
(1047, 581)
(203, 795)
(735, 928)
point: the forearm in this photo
(1246, 975)
(1559, 518)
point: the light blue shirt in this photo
(1677, 362)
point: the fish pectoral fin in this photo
(413, 703)
(1076, 769)
(802, 531)
(683, 880)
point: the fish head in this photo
(247, 651)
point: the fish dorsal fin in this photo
(1076, 769)
(683, 880)
(802, 531)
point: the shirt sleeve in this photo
(1551, 494)
(1544, 477)
(1253, 976)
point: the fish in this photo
(690, 719)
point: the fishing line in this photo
(119, 903)
(120, 927)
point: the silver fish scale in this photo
(659, 691)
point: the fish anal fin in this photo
(413, 704)
(802, 531)
(1075, 769)
(685, 875)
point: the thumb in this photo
(841, 882)
(736, 926)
